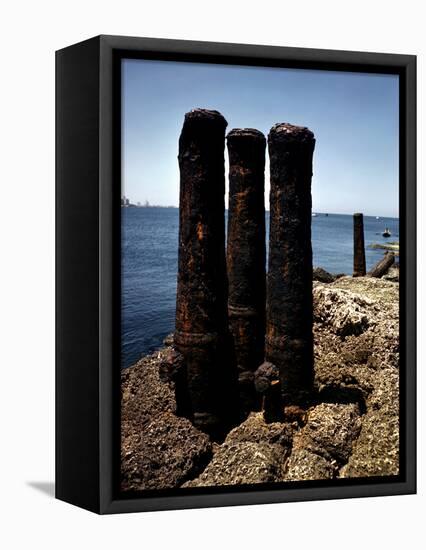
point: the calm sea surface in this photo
(149, 267)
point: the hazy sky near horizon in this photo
(354, 117)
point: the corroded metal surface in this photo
(267, 383)
(289, 341)
(359, 247)
(246, 257)
(201, 334)
(383, 265)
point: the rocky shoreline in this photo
(350, 429)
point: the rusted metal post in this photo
(201, 306)
(289, 340)
(246, 257)
(359, 247)
(382, 266)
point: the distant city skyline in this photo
(354, 117)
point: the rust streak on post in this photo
(359, 247)
(246, 257)
(289, 340)
(201, 305)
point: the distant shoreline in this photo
(317, 214)
(147, 207)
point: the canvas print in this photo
(259, 276)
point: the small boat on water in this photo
(377, 218)
(314, 215)
(386, 232)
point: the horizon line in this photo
(266, 210)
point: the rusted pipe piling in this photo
(201, 306)
(382, 266)
(289, 340)
(359, 247)
(246, 257)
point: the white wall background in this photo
(30, 32)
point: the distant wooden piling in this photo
(289, 340)
(201, 334)
(246, 257)
(359, 246)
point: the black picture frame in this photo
(88, 270)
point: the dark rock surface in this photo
(322, 276)
(324, 442)
(305, 465)
(255, 430)
(171, 367)
(330, 430)
(239, 464)
(254, 452)
(158, 449)
(143, 394)
(164, 453)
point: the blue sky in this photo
(354, 118)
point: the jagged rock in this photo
(159, 450)
(344, 312)
(385, 396)
(383, 293)
(344, 369)
(171, 366)
(330, 430)
(376, 452)
(305, 465)
(324, 442)
(255, 430)
(241, 463)
(295, 414)
(253, 452)
(365, 368)
(353, 364)
(321, 275)
(392, 275)
(143, 394)
(164, 453)
(169, 339)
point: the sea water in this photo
(149, 252)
